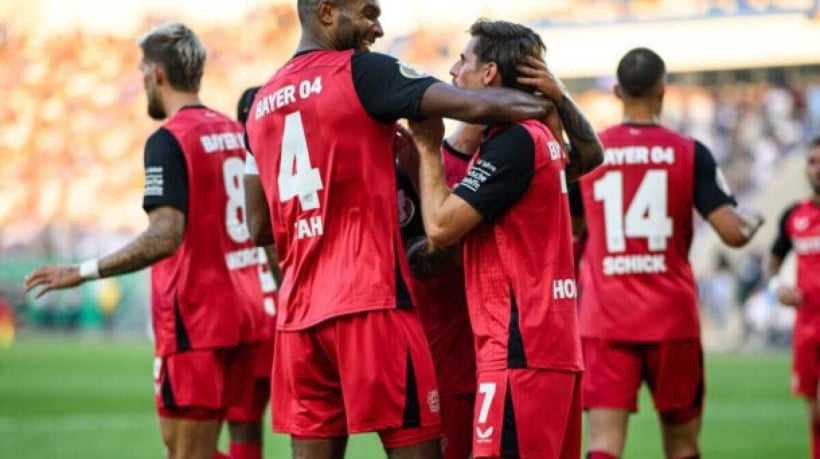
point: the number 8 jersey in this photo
(635, 280)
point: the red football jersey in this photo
(636, 281)
(803, 228)
(519, 271)
(328, 174)
(208, 294)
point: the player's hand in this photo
(405, 150)
(750, 221)
(53, 278)
(789, 296)
(534, 72)
(425, 261)
(427, 134)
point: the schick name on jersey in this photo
(634, 264)
(639, 154)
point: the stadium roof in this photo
(686, 45)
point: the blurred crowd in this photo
(73, 122)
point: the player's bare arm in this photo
(162, 238)
(586, 152)
(446, 216)
(257, 212)
(484, 106)
(466, 138)
(735, 226)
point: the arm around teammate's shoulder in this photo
(482, 106)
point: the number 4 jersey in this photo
(209, 293)
(636, 282)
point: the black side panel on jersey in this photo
(509, 430)
(183, 341)
(783, 243)
(502, 173)
(388, 89)
(167, 391)
(166, 172)
(403, 300)
(708, 194)
(412, 409)
(516, 358)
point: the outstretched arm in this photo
(586, 152)
(162, 238)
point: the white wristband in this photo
(90, 269)
(774, 284)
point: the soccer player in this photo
(322, 131)
(205, 275)
(438, 280)
(800, 230)
(638, 302)
(513, 215)
(245, 418)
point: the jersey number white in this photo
(647, 216)
(232, 170)
(297, 177)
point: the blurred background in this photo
(745, 80)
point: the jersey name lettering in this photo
(634, 264)
(222, 142)
(639, 154)
(287, 95)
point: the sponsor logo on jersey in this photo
(555, 150)
(433, 401)
(484, 436)
(407, 209)
(408, 71)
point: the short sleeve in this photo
(711, 190)
(783, 243)
(166, 173)
(389, 89)
(501, 174)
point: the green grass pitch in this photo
(93, 399)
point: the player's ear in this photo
(326, 12)
(490, 74)
(616, 91)
(159, 75)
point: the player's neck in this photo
(175, 101)
(640, 113)
(310, 41)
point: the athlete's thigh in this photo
(306, 398)
(387, 375)
(612, 374)
(675, 375)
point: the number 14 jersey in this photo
(636, 281)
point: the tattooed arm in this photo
(586, 151)
(162, 238)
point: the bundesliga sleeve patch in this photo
(408, 71)
(154, 181)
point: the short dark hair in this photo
(506, 44)
(814, 142)
(639, 71)
(180, 53)
(243, 107)
(305, 8)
